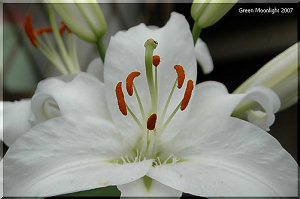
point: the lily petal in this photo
(212, 98)
(16, 120)
(231, 158)
(156, 189)
(65, 155)
(96, 68)
(83, 94)
(126, 53)
(203, 56)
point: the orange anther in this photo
(129, 82)
(180, 73)
(63, 28)
(151, 122)
(187, 94)
(29, 30)
(43, 30)
(120, 98)
(156, 60)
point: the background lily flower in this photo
(202, 150)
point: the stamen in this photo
(30, 31)
(180, 73)
(129, 82)
(156, 60)
(43, 30)
(63, 28)
(120, 98)
(151, 121)
(187, 95)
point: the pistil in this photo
(150, 45)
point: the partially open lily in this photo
(280, 74)
(145, 145)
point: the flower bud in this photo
(280, 74)
(208, 12)
(85, 20)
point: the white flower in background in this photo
(143, 143)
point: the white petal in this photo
(16, 120)
(84, 94)
(126, 53)
(65, 155)
(203, 56)
(212, 98)
(96, 68)
(258, 118)
(229, 158)
(138, 189)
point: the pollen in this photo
(181, 75)
(151, 121)
(187, 94)
(43, 30)
(30, 31)
(63, 28)
(129, 82)
(156, 60)
(120, 98)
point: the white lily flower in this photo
(86, 20)
(280, 74)
(155, 150)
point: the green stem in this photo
(59, 41)
(168, 101)
(140, 103)
(196, 32)
(134, 117)
(101, 48)
(171, 116)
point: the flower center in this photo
(152, 125)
